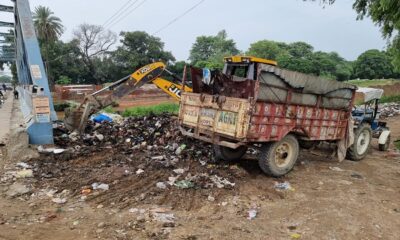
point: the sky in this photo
(327, 28)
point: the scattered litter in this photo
(23, 165)
(184, 184)
(58, 151)
(180, 149)
(211, 198)
(179, 171)
(337, 169)
(252, 213)
(283, 186)
(139, 171)
(164, 217)
(101, 186)
(295, 236)
(86, 191)
(100, 137)
(27, 173)
(161, 185)
(221, 182)
(356, 175)
(59, 200)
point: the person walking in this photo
(4, 87)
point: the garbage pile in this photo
(141, 159)
(389, 109)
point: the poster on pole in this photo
(41, 108)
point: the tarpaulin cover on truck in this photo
(274, 82)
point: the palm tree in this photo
(48, 29)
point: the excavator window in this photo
(242, 70)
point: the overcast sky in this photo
(333, 28)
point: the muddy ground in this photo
(187, 196)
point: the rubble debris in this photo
(17, 189)
(164, 217)
(389, 109)
(23, 165)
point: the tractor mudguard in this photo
(383, 136)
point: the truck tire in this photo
(229, 154)
(278, 158)
(385, 147)
(362, 141)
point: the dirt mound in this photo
(143, 160)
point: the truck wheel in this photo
(385, 147)
(362, 141)
(229, 154)
(278, 158)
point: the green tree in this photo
(139, 49)
(267, 49)
(49, 29)
(208, 51)
(373, 64)
(385, 14)
(64, 80)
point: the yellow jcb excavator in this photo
(76, 119)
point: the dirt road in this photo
(327, 200)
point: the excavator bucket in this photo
(72, 118)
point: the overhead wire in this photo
(116, 13)
(178, 17)
(126, 13)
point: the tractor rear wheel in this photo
(362, 141)
(278, 158)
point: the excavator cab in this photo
(244, 66)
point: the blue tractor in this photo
(367, 124)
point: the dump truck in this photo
(253, 102)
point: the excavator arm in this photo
(76, 119)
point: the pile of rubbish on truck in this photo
(140, 159)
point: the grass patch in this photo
(397, 144)
(373, 82)
(387, 99)
(109, 109)
(155, 109)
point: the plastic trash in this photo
(101, 117)
(139, 171)
(184, 184)
(180, 149)
(101, 186)
(59, 200)
(27, 173)
(283, 186)
(164, 217)
(295, 236)
(252, 214)
(161, 185)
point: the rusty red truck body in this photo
(255, 102)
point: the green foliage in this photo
(373, 82)
(266, 49)
(64, 80)
(5, 79)
(156, 109)
(387, 99)
(137, 50)
(108, 109)
(48, 27)
(373, 64)
(60, 107)
(208, 51)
